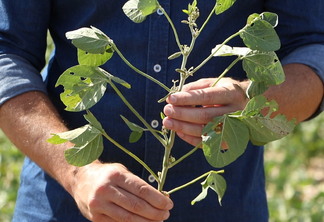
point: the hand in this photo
(198, 103)
(109, 192)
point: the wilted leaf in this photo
(224, 140)
(83, 86)
(214, 181)
(225, 50)
(91, 40)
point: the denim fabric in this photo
(23, 27)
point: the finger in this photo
(117, 213)
(199, 84)
(193, 140)
(206, 96)
(139, 188)
(183, 127)
(138, 206)
(102, 218)
(198, 115)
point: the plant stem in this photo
(194, 181)
(132, 155)
(212, 54)
(176, 36)
(184, 156)
(226, 70)
(137, 114)
(208, 18)
(137, 70)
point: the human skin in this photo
(103, 192)
(298, 98)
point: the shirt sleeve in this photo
(18, 76)
(23, 32)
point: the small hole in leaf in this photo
(86, 53)
(275, 60)
(71, 73)
(252, 24)
(83, 78)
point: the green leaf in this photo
(264, 128)
(223, 5)
(263, 67)
(91, 40)
(138, 10)
(256, 88)
(87, 140)
(269, 17)
(260, 35)
(224, 140)
(83, 86)
(225, 50)
(90, 59)
(135, 136)
(137, 131)
(214, 181)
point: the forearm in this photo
(28, 120)
(301, 93)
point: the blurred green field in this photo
(294, 169)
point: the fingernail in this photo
(168, 123)
(167, 110)
(172, 99)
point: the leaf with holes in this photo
(265, 128)
(260, 35)
(270, 17)
(83, 86)
(90, 59)
(87, 140)
(224, 139)
(215, 182)
(138, 10)
(137, 131)
(91, 40)
(263, 67)
(223, 5)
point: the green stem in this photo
(176, 36)
(132, 155)
(139, 71)
(212, 12)
(137, 114)
(184, 156)
(226, 70)
(212, 54)
(193, 181)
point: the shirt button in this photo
(151, 179)
(159, 12)
(157, 68)
(155, 123)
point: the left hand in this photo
(198, 103)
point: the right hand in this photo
(109, 192)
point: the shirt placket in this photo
(156, 67)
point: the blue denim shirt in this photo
(23, 29)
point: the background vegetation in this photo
(294, 169)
